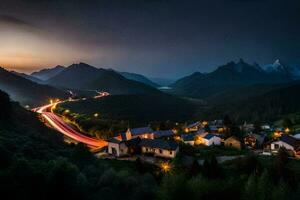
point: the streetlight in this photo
(96, 115)
(165, 167)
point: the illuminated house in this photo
(157, 147)
(254, 140)
(286, 141)
(143, 132)
(233, 142)
(193, 127)
(120, 148)
(160, 148)
(188, 139)
(208, 139)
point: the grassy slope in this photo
(266, 107)
(138, 108)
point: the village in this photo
(159, 145)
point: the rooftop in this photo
(141, 130)
(209, 136)
(114, 140)
(163, 133)
(194, 124)
(188, 137)
(161, 144)
(289, 140)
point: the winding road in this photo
(60, 125)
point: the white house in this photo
(116, 147)
(208, 139)
(288, 142)
(142, 132)
(193, 127)
(188, 139)
(161, 148)
(119, 148)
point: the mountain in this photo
(25, 91)
(265, 107)
(28, 77)
(46, 74)
(230, 76)
(139, 78)
(162, 81)
(86, 77)
(280, 69)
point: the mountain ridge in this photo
(45, 74)
(86, 77)
(25, 91)
(229, 76)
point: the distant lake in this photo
(165, 88)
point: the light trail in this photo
(60, 125)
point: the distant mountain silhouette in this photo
(25, 91)
(229, 76)
(139, 78)
(86, 77)
(46, 74)
(29, 77)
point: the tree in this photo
(5, 108)
(280, 163)
(264, 186)
(250, 191)
(281, 191)
(173, 187)
(195, 168)
(211, 168)
(287, 123)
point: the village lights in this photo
(287, 130)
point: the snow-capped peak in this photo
(275, 67)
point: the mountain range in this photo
(233, 75)
(46, 74)
(86, 77)
(139, 78)
(25, 91)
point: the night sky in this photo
(158, 38)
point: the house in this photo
(254, 140)
(233, 142)
(163, 133)
(213, 128)
(160, 148)
(120, 148)
(193, 127)
(297, 136)
(142, 132)
(188, 139)
(266, 127)
(286, 141)
(208, 139)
